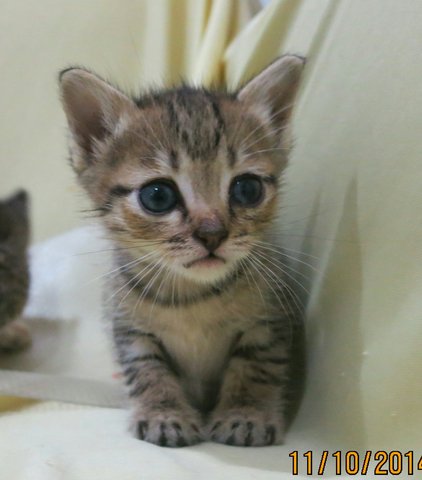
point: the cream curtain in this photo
(352, 206)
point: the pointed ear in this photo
(93, 109)
(19, 200)
(272, 92)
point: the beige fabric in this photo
(353, 201)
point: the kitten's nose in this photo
(211, 233)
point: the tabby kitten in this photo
(187, 182)
(14, 272)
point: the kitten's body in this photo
(198, 342)
(201, 321)
(198, 332)
(14, 271)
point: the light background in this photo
(353, 190)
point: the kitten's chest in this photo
(197, 341)
(199, 348)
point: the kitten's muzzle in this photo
(211, 234)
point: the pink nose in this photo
(211, 233)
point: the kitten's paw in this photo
(14, 337)
(246, 427)
(167, 429)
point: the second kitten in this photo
(14, 271)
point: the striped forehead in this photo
(195, 134)
(192, 119)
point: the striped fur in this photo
(204, 350)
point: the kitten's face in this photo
(198, 211)
(187, 177)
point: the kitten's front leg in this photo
(161, 413)
(249, 411)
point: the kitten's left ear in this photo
(272, 92)
(93, 109)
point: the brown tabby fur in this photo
(204, 351)
(14, 272)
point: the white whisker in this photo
(287, 274)
(268, 122)
(280, 252)
(276, 131)
(284, 265)
(121, 268)
(256, 152)
(255, 263)
(139, 274)
(164, 280)
(148, 287)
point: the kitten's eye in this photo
(158, 197)
(246, 191)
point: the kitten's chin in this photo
(207, 270)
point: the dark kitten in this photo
(14, 271)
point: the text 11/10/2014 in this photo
(353, 462)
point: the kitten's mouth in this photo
(209, 261)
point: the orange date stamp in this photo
(354, 463)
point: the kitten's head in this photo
(14, 221)
(189, 176)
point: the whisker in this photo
(163, 281)
(172, 289)
(242, 264)
(117, 249)
(285, 265)
(248, 260)
(268, 123)
(122, 267)
(296, 300)
(265, 150)
(298, 252)
(147, 288)
(254, 262)
(287, 274)
(240, 122)
(260, 273)
(273, 132)
(130, 281)
(276, 131)
(147, 140)
(301, 235)
(280, 252)
(155, 136)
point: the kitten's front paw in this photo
(246, 427)
(167, 428)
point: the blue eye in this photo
(158, 197)
(246, 191)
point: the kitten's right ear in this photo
(273, 91)
(93, 109)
